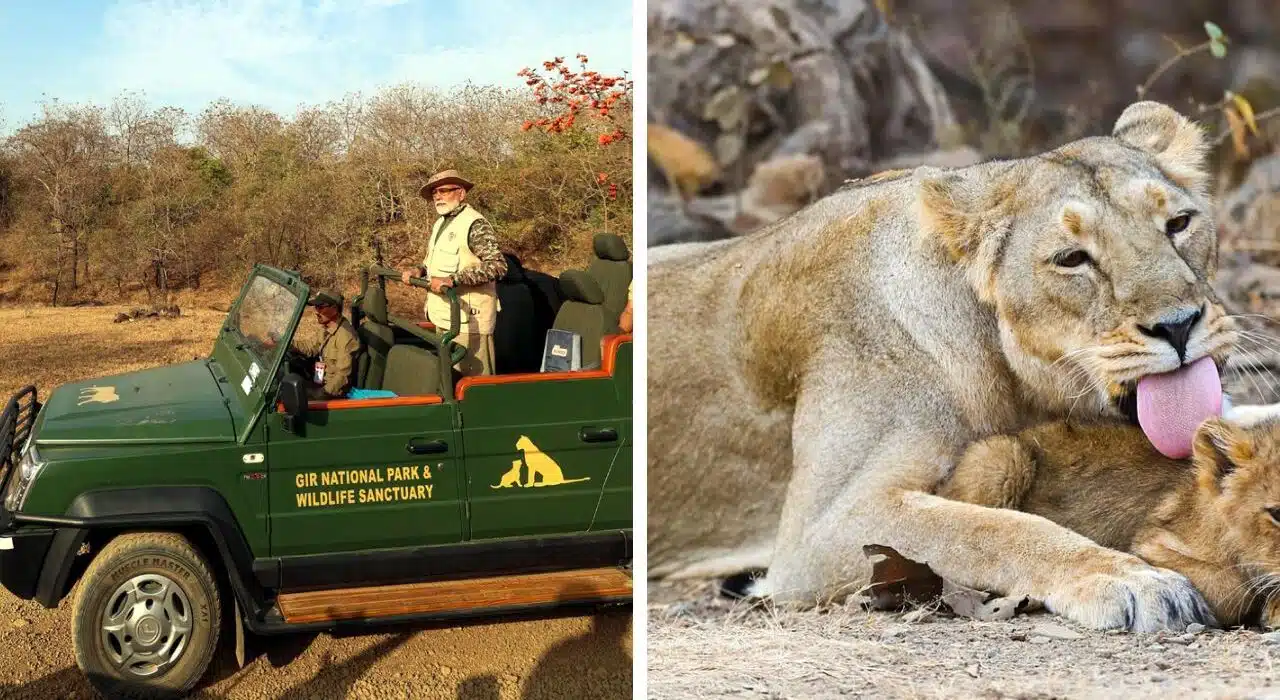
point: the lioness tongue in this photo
(1172, 405)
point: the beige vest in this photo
(448, 253)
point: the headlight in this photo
(20, 483)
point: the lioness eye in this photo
(1177, 224)
(1274, 512)
(1071, 258)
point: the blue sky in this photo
(283, 53)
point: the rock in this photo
(1271, 637)
(670, 222)
(1086, 56)
(1195, 628)
(1018, 637)
(822, 87)
(813, 103)
(1250, 213)
(972, 670)
(1053, 631)
(1041, 640)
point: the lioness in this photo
(811, 382)
(1214, 518)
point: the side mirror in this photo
(294, 397)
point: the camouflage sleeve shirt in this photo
(483, 242)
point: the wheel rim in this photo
(146, 625)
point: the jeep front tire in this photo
(147, 617)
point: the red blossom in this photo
(586, 92)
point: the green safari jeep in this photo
(202, 497)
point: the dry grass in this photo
(49, 347)
(52, 346)
(700, 647)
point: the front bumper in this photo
(22, 559)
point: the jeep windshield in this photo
(256, 335)
(263, 318)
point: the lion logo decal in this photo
(97, 394)
(542, 470)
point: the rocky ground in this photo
(708, 648)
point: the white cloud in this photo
(284, 53)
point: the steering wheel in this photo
(297, 362)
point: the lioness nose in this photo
(1175, 330)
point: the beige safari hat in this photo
(445, 177)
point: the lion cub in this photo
(1215, 518)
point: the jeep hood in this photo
(175, 403)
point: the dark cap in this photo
(326, 297)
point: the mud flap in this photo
(239, 635)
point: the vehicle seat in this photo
(376, 339)
(547, 298)
(516, 334)
(611, 267)
(583, 313)
(411, 371)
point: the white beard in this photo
(446, 208)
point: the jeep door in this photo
(538, 452)
(365, 474)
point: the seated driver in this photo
(334, 354)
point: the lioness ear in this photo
(1220, 447)
(958, 215)
(1178, 144)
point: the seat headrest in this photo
(374, 304)
(578, 285)
(610, 246)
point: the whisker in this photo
(1249, 361)
(1259, 341)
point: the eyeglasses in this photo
(447, 190)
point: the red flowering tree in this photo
(582, 102)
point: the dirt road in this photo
(698, 647)
(566, 657)
(569, 657)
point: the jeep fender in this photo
(147, 507)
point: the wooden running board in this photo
(453, 596)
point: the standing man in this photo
(462, 253)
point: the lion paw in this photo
(1140, 599)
